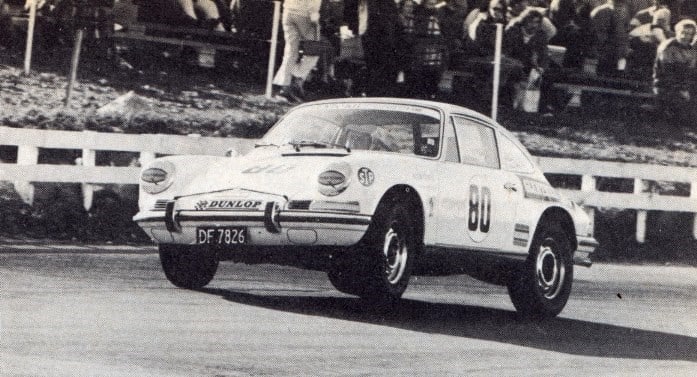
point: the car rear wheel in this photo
(379, 267)
(188, 266)
(541, 287)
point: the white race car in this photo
(372, 190)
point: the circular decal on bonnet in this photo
(366, 176)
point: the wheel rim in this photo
(549, 270)
(396, 253)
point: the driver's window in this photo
(476, 143)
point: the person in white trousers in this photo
(300, 22)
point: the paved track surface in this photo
(109, 312)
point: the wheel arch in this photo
(557, 215)
(407, 194)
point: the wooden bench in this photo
(576, 83)
(182, 36)
(140, 26)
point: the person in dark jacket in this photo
(377, 22)
(610, 25)
(675, 73)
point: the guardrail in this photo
(148, 146)
(27, 170)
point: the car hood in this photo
(278, 171)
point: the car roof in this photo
(445, 107)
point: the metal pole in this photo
(272, 50)
(30, 37)
(497, 71)
(73, 64)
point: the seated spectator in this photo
(675, 73)
(610, 25)
(650, 27)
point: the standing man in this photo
(300, 22)
(610, 25)
(377, 22)
(675, 73)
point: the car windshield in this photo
(394, 128)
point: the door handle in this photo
(510, 186)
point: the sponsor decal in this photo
(214, 205)
(479, 209)
(366, 176)
(521, 235)
(535, 189)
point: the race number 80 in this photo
(479, 209)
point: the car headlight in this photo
(157, 177)
(334, 179)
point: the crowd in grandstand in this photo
(402, 47)
(409, 43)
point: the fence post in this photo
(26, 155)
(146, 157)
(74, 61)
(30, 37)
(497, 71)
(693, 196)
(89, 158)
(640, 213)
(588, 184)
(272, 50)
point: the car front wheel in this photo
(541, 287)
(385, 257)
(187, 266)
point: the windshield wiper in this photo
(257, 145)
(317, 144)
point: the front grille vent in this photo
(299, 204)
(160, 205)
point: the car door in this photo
(477, 200)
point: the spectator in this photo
(516, 8)
(650, 27)
(451, 17)
(674, 73)
(526, 41)
(377, 22)
(202, 13)
(610, 25)
(300, 21)
(429, 50)
(482, 31)
(482, 36)
(572, 20)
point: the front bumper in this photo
(586, 247)
(270, 227)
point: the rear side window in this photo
(476, 143)
(512, 158)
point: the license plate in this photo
(221, 236)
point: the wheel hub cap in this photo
(396, 254)
(549, 271)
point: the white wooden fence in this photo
(27, 170)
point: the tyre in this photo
(541, 287)
(345, 274)
(380, 266)
(188, 266)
